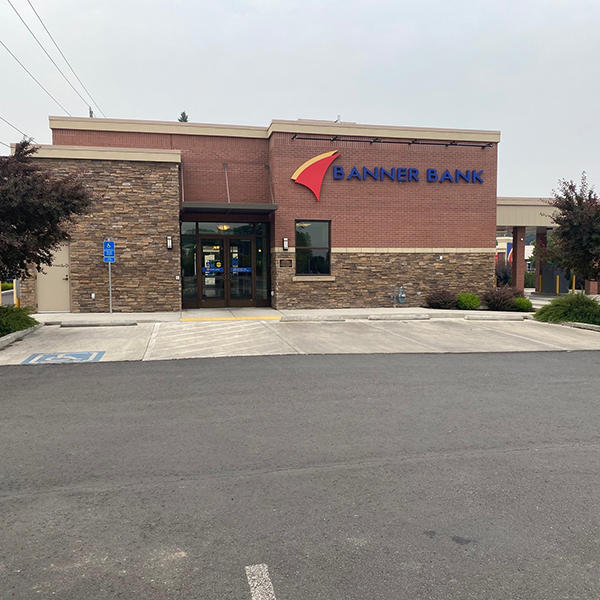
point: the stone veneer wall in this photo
(367, 279)
(137, 204)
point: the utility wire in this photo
(33, 77)
(15, 128)
(46, 53)
(65, 58)
(5, 144)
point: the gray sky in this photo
(529, 68)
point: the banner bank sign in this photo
(312, 172)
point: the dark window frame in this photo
(326, 248)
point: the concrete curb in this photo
(516, 317)
(94, 323)
(405, 317)
(310, 318)
(7, 340)
(474, 316)
(582, 325)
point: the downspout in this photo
(227, 183)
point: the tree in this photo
(576, 238)
(183, 118)
(36, 211)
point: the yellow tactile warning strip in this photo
(230, 318)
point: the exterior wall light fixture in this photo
(169, 242)
(286, 245)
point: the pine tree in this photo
(183, 118)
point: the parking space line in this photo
(260, 582)
(151, 341)
(524, 337)
(272, 328)
(402, 336)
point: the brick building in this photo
(209, 215)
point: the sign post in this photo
(108, 249)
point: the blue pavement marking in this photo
(63, 357)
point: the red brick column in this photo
(518, 262)
(541, 239)
(592, 287)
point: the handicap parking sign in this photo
(63, 357)
(108, 251)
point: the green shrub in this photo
(14, 319)
(577, 308)
(6, 286)
(529, 279)
(501, 298)
(466, 301)
(441, 299)
(522, 304)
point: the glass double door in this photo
(227, 271)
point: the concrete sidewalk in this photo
(269, 314)
(204, 339)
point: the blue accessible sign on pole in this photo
(108, 248)
(108, 251)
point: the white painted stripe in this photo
(525, 337)
(260, 583)
(151, 341)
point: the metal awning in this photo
(228, 207)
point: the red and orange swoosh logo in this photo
(312, 172)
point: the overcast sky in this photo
(529, 68)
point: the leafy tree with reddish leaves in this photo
(576, 239)
(36, 211)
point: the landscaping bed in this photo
(14, 319)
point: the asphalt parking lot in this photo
(329, 477)
(176, 340)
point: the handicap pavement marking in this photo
(260, 582)
(63, 357)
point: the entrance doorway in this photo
(224, 264)
(227, 271)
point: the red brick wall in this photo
(364, 214)
(385, 214)
(202, 157)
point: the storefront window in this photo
(189, 279)
(227, 228)
(243, 256)
(188, 228)
(313, 248)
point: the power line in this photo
(65, 58)
(33, 77)
(46, 52)
(14, 127)
(5, 144)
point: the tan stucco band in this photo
(105, 153)
(528, 212)
(383, 131)
(397, 250)
(300, 126)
